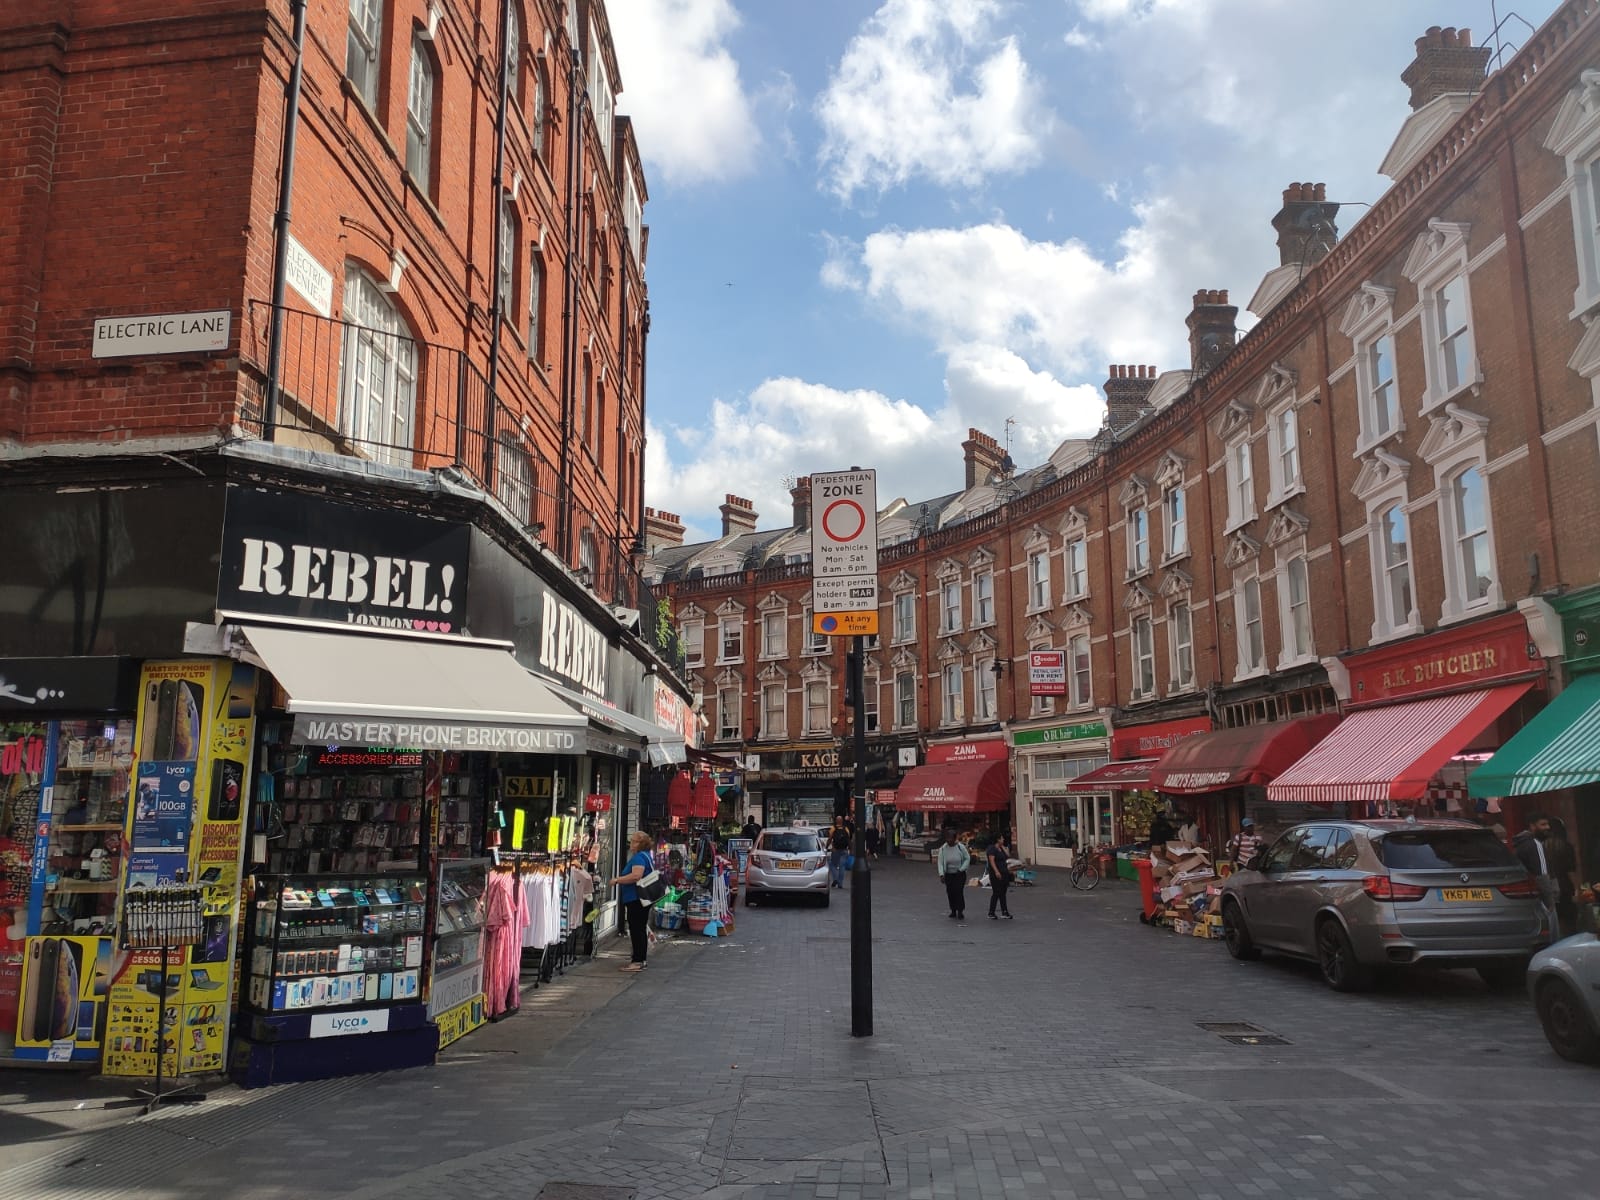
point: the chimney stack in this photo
(983, 455)
(800, 494)
(738, 515)
(1447, 63)
(1211, 329)
(661, 529)
(1127, 388)
(1305, 224)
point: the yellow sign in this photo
(455, 1023)
(528, 787)
(845, 624)
(64, 986)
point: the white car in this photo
(1564, 981)
(787, 861)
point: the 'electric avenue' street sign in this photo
(844, 553)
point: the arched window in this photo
(419, 117)
(378, 389)
(536, 307)
(514, 477)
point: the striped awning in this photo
(1130, 773)
(1391, 753)
(1559, 748)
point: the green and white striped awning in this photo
(1559, 748)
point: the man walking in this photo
(1245, 844)
(999, 876)
(838, 851)
(952, 860)
(1532, 852)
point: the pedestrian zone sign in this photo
(844, 553)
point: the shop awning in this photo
(658, 744)
(1117, 776)
(1390, 753)
(1559, 748)
(1246, 755)
(364, 690)
(955, 787)
(725, 762)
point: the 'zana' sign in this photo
(296, 556)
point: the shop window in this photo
(379, 372)
(1144, 658)
(1294, 594)
(694, 643)
(1175, 518)
(1038, 581)
(731, 643)
(774, 711)
(1180, 637)
(869, 703)
(514, 477)
(1247, 622)
(950, 607)
(905, 700)
(984, 685)
(952, 692)
(727, 713)
(1076, 561)
(1241, 484)
(419, 117)
(983, 599)
(363, 41)
(817, 706)
(905, 616)
(1079, 668)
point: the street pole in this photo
(861, 873)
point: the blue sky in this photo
(875, 224)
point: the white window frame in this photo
(538, 110)
(1368, 322)
(774, 633)
(1437, 261)
(774, 702)
(812, 642)
(735, 626)
(602, 100)
(1387, 623)
(1042, 705)
(1038, 581)
(694, 643)
(506, 274)
(728, 704)
(419, 117)
(632, 215)
(1290, 607)
(1282, 451)
(1575, 136)
(1175, 524)
(378, 384)
(1075, 563)
(1180, 644)
(363, 49)
(986, 690)
(950, 606)
(1142, 653)
(1080, 671)
(1138, 533)
(536, 308)
(1457, 605)
(512, 60)
(817, 704)
(982, 599)
(1239, 471)
(513, 477)
(905, 695)
(952, 693)
(905, 616)
(1250, 631)
(869, 702)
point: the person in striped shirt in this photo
(1244, 845)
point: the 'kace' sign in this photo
(297, 556)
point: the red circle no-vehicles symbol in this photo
(838, 517)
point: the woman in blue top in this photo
(639, 865)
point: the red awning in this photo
(955, 787)
(1247, 755)
(724, 762)
(1117, 776)
(680, 795)
(1391, 753)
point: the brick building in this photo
(322, 345)
(1361, 488)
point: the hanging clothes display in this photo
(505, 918)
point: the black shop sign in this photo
(288, 555)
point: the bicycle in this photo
(1085, 874)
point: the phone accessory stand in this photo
(165, 919)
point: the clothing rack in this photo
(546, 962)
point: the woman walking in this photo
(639, 865)
(952, 860)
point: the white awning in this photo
(366, 690)
(659, 745)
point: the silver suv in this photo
(1355, 896)
(788, 861)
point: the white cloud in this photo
(927, 90)
(681, 86)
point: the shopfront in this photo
(1421, 714)
(1104, 797)
(798, 781)
(964, 785)
(1051, 817)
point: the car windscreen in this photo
(788, 843)
(1443, 850)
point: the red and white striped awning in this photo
(1391, 753)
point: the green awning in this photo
(1559, 748)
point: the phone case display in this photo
(345, 819)
(321, 942)
(460, 809)
(455, 988)
(84, 862)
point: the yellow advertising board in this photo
(195, 730)
(65, 982)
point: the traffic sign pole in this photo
(861, 873)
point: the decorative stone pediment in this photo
(903, 581)
(870, 665)
(1176, 583)
(1278, 379)
(1379, 470)
(1037, 536)
(982, 644)
(728, 677)
(772, 601)
(1372, 304)
(902, 658)
(1242, 548)
(1138, 596)
(951, 648)
(1134, 490)
(947, 570)
(772, 672)
(1444, 241)
(1450, 431)
(730, 608)
(1585, 359)
(1077, 617)
(691, 612)
(1286, 525)
(981, 557)
(1074, 521)
(1169, 471)
(1578, 115)
(815, 669)
(1235, 419)
(1038, 629)
(805, 598)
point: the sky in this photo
(874, 225)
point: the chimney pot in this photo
(1127, 389)
(1447, 64)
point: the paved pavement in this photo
(1060, 1054)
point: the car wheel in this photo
(1236, 934)
(1504, 977)
(1566, 1024)
(1337, 958)
(750, 900)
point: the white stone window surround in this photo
(905, 617)
(1286, 535)
(1249, 623)
(1238, 464)
(1075, 564)
(1134, 499)
(1380, 486)
(728, 706)
(1283, 424)
(774, 626)
(774, 710)
(1368, 322)
(1456, 442)
(1142, 652)
(1575, 137)
(986, 689)
(905, 699)
(1080, 671)
(818, 696)
(730, 632)
(952, 693)
(1174, 507)
(1038, 567)
(1180, 645)
(983, 606)
(1437, 260)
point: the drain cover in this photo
(1227, 1027)
(1255, 1039)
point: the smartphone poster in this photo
(65, 985)
(163, 806)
